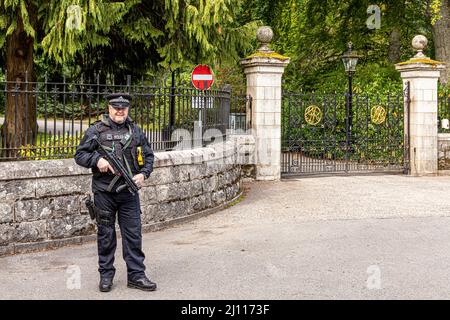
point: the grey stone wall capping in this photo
(22, 170)
(242, 138)
(444, 136)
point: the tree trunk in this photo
(441, 35)
(20, 126)
(394, 46)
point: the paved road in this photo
(361, 237)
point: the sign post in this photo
(202, 78)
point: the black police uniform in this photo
(126, 140)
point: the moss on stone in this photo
(272, 55)
(419, 60)
(235, 202)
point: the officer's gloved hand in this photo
(103, 165)
(139, 179)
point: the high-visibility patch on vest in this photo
(140, 157)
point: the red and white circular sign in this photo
(202, 77)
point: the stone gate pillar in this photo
(264, 70)
(422, 73)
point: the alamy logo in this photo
(74, 280)
(374, 20)
(74, 18)
(374, 279)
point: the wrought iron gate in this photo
(332, 133)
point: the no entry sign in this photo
(202, 77)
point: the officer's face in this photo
(118, 115)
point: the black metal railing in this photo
(444, 109)
(46, 120)
(240, 113)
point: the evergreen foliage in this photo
(141, 37)
(131, 36)
(314, 34)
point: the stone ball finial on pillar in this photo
(264, 70)
(264, 35)
(419, 43)
(420, 75)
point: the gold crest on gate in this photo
(313, 115)
(378, 114)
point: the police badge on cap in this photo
(119, 100)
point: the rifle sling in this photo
(112, 183)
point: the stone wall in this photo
(246, 153)
(444, 151)
(41, 202)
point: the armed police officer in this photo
(117, 133)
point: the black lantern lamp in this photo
(350, 60)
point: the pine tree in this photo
(199, 31)
(111, 37)
(441, 34)
(61, 28)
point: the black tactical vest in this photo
(122, 142)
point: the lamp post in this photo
(350, 59)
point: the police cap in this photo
(119, 100)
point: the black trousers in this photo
(127, 207)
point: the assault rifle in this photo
(119, 170)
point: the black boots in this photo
(142, 283)
(105, 284)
